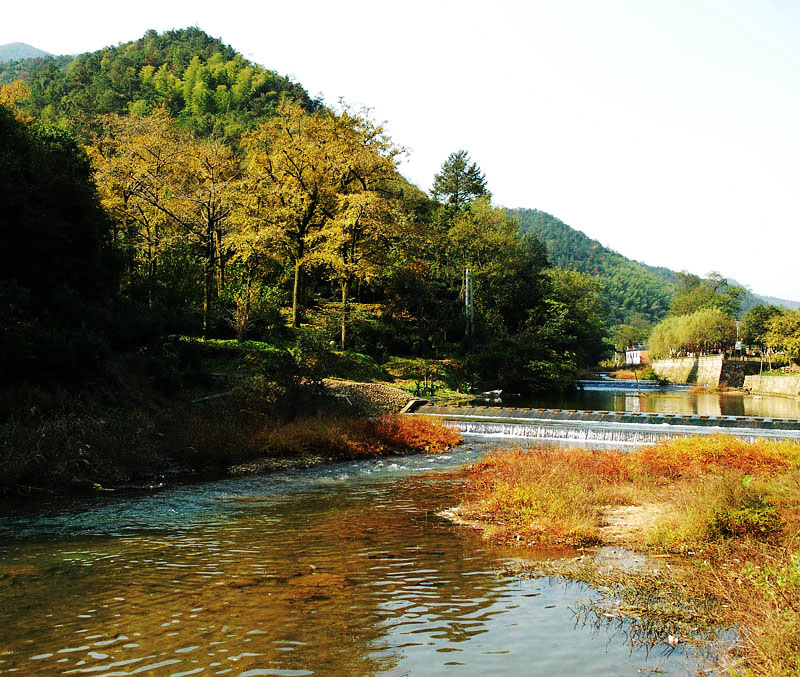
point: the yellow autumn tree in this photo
(166, 186)
(11, 94)
(135, 159)
(311, 190)
(355, 238)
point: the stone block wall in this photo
(734, 372)
(705, 370)
(773, 385)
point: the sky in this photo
(669, 130)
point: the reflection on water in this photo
(669, 401)
(340, 570)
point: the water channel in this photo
(344, 569)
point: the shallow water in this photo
(338, 570)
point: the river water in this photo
(646, 396)
(339, 570)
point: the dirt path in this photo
(622, 524)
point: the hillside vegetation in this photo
(631, 290)
(628, 289)
(205, 84)
(234, 206)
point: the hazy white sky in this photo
(667, 130)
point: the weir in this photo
(615, 427)
(611, 385)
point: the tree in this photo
(573, 320)
(314, 188)
(625, 335)
(485, 241)
(57, 267)
(165, 185)
(289, 187)
(699, 332)
(355, 235)
(11, 94)
(135, 160)
(459, 182)
(695, 293)
(755, 324)
(784, 334)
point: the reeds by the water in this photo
(728, 510)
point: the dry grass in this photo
(349, 438)
(237, 437)
(548, 495)
(627, 374)
(729, 509)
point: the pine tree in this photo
(459, 182)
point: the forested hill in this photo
(19, 50)
(630, 289)
(201, 81)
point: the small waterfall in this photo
(605, 427)
(561, 433)
(620, 433)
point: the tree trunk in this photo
(298, 273)
(208, 280)
(218, 260)
(345, 309)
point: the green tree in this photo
(705, 330)
(459, 182)
(625, 335)
(695, 293)
(755, 324)
(573, 321)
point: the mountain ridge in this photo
(20, 50)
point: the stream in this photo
(344, 569)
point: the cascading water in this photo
(604, 426)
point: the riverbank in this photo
(725, 513)
(201, 409)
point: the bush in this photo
(754, 517)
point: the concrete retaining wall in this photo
(705, 370)
(773, 385)
(708, 370)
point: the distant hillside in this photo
(630, 288)
(19, 50)
(204, 83)
(754, 299)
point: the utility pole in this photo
(469, 305)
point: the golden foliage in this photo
(11, 94)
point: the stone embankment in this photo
(369, 399)
(773, 385)
(707, 370)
